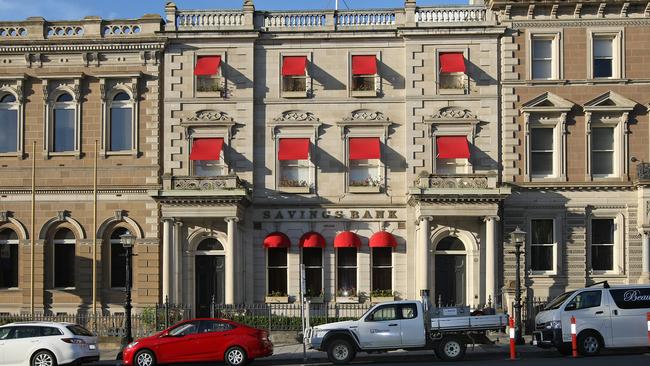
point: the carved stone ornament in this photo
(458, 182)
(453, 113)
(297, 116)
(366, 115)
(210, 116)
(3, 216)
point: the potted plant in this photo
(315, 297)
(347, 295)
(294, 185)
(276, 297)
(370, 184)
(377, 296)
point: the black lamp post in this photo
(518, 237)
(127, 242)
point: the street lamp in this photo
(127, 241)
(518, 237)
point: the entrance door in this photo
(210, 281)
(450, 279)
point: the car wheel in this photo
(589, 344)
(340, 352)
(43, 358)
(235, 356)
(451, 349)
(144, 358)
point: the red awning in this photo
(293, 149)
(364, 65)
(347, 239)
(312, 240)
(364, 148)
(207, 65)
(452, 62)
(382, 239)
(294, 65)
(277, 240)
(206, 149)
(452, 147)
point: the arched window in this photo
(450, 243)
(8, 258)
(64, 124)
(118, 258)
(9, 137)
(121, 123)
(64, 255)
(209, 244)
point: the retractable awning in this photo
(206, 149)
(294, 65)
(365, 148)
(364, 65)
(452, 147)
(293, 149)
(452, 62)
(207, 65)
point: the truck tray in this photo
(479, 322)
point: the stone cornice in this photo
(577, 23)
(71, 47)
(575, 187)
(40, 191)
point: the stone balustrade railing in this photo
(295, 20)
(457, 181)
(207, 19)
(464, 14)
(206, 183)
(362, 18)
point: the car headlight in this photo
(554, 324)
(319, 333)
(132, 344)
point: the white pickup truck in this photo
(403, 325)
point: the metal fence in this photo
(529, 310)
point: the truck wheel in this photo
(451, 348)
(589, 343)
(340, 352)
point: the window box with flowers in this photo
(315, 297)
(368, 185)
(294, 185)
(347, 296)
(378, 296)
(276, 297)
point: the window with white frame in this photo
(118, 259)
(64, 258)
(603, 56)
(120, 136)
(64, 112)
(365, 173)
(277, 271)
(294, 74)
(208, 75)
(542, 151)
(210, 168)
(8, 258)
(294, 163)
(542, 245)
(207, 157)
(452, 155)
(364, 74)
(312, 258)
(346, 271)
(9, 123)
(452, 71)
(602, 151)
(294, 173)
(382, 271)
(542, 57)
(603, 240)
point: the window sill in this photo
(295, 189)
(122, 153)
(209, 94)
(607, 275)
(380, 299)
(542, 274)
(347, 299)
(11, 155)
(10, 289)
(364, 93)
(294, 94)
(57, 154)
(315, 299)
(452, 91)
(607, 81)
(364, 189)
(276, 299)
(62, 289)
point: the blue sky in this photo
(75, 9)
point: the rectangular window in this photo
(64, 264)
(542, 257)
(312, 258)
(602, 244)
(364, 73)
(603, 56)
(602, 150)
(346, 271)
(541, 151)
(452, 70)
(294, 74)
(121, 129)
(382, 269)
(64, 126)
(8, 263)
(207, 157)
(207, 75)
(452, 154)
(277, 271)
(542, 58)
(9, 128)
(294, 173)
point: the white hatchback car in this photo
(46, 344)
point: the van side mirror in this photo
(571, 306)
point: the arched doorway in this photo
(451, 272)
(209, 275)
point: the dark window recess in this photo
(8, 259)
(210, 326)
(27, 332)
(64, 127)
(277, 271)
(450, 243)
(294, 83)
(632, 298)
(64, 259)
(118, 259)
(382, 268)
(602, 244)
(347, 271)
(312, 258)
(542, 244)
(384, 313)
(50, 331)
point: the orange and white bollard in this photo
(511, 325)
(574, 338)
(648, 317)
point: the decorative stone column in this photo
(230, 260)
(166, 258)
(645, 267)
(490, 259)
(422, 255)
(177, 260)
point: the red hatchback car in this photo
(200, 340)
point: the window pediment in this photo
(547, 102)
(452, 121)
(452, 114)
(299, 121)
(207, 120)
(374, 121)
(610, 102)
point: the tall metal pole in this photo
(33, 229)
(518, 338)
(95, 236)
(128, 338)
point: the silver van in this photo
(612, 317)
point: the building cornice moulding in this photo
(578, 23)
(133, 47)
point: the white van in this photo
(609, 317)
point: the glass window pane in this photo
(542, 69)
(541, 139)
(347, 257)
(118, 265)
(208, 168)
(277, 257)
(382, 256)
(602, 163)
(602, 231)
(121, 129)
(542, 231)
(314, 281)
(294, 83)
(454, 80)
(9, 128)
(382, 279)
(64, 265)
(541, 163)
(208, 83)
(8, 98)
(542, 48)
(385, 313)
(602, 138)
(603, 47)
(541, 257)
(64, 127)
(347, 281)
(277, 281)
(294, 173)
(602, 257)
(603, 68)
(363, 83)
(312, 257)
(65, 97)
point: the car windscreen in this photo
(78, 330)
(558, 301)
